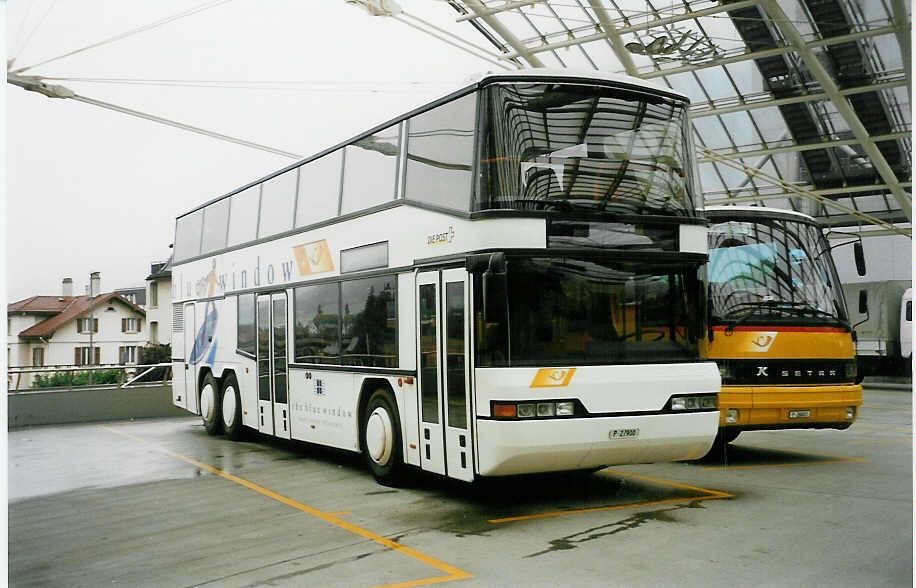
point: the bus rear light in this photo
(505, 411)
(526, 411)
(731, 416)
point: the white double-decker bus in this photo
(510, 279)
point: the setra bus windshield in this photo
(578, 310)
(548, 146)
(772, 269)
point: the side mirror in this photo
(494, 289)
(859, 253)
(863, 301)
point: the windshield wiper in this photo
(545, 203)
(797, 308)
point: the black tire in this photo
(231, 408)
(381, 424)
(209, 403)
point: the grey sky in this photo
(94, 190)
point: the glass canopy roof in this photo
(796, 104)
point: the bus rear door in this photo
(442, 370)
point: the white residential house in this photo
(159, 302)
(55, 330)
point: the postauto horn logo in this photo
(552, 377)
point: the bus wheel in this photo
(209, 405)
(231, 410)
(380, 438)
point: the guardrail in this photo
(127, 375)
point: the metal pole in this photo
(93, 287)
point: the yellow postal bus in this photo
(779, 330)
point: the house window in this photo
(127, 354)
(84, 355)
(153, 294)
(132, 298)
(130, 325)
(154, 332)
(82, 325)
(38, 356)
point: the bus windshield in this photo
(767, 269)
(562, 311)
(547, 146)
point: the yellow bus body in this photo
(778, 406)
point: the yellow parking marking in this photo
(452, 572)
(831, 459)
(339, 513)
(709, 495)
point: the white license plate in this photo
(623, 434)
(799, 414)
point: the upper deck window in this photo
(547, 146)
(319, 189)
(370, 165)
(216, 219)
(187, 235)
(278, 196)
(440, 151)
(243, 217)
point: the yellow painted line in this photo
(716, 493)
(831, 459)
(452, 572)
(709, 495)
(338, 513)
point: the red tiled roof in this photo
(78, 305)
(40, 304)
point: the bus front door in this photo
(273, 402)
(442, 370)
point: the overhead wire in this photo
(14, 40)
(41, 21)
(134, 31)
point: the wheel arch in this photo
(369, 386)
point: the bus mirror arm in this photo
(858, 251)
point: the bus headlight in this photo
(850, 412)
(702, 402)
(534, 409)
(527, 411)
(566, 408)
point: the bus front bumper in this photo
(524, 447)
(784, 407)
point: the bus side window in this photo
(317, 328)
(440, 152)
(278, 200)
(909, 310)
(246, 326)
(370, 164)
